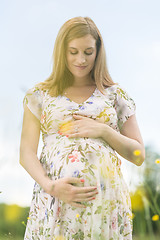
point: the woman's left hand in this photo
(87, 127)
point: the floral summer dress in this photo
(109, 216)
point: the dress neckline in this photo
(83, 101)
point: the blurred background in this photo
(130, 29)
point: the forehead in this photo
(83, 42)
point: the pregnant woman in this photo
(85, 120)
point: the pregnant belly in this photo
(93, 162)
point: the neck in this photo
(83, 82)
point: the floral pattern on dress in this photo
(108, 217)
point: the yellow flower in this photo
(137, 152)
(157, 161)
(66, 126)
(77, 215)
(155, 218)
(23, 223)
(28, 217)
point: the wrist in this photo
(102, 130)
(99, 129)
(48, 185)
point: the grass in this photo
(10, 238)
(134, 238)
(146, 238)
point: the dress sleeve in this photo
(125, 106)
(33, 100)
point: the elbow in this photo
(138, 156)
(139, 161)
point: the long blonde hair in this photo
(61, 77)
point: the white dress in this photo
(108, 217)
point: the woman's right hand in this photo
(64, 190)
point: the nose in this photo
(81, 59)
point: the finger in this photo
(87, 195)
(74, 135)
(77, 205)
(80, 189)
(74, 180)
(85, 199)
(84, 189)
(66, 132)
(78, 116)
(72, 132)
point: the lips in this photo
(81, 67)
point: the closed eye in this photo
(73, 53)
(88, 53)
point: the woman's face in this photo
(81, 54)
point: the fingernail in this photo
(82, 180)
(93, 198)
(67, 135)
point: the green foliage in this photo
(13, 221)
(145, 237)
(4, 237)
(150, 196)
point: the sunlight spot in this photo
(157, 161)
(155, 218)
(137, 152)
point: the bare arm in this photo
(28, 149)
(126, 142)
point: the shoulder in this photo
(34, 100)
(34, 96)
(117, 90)
(112, 90)
(36, 91)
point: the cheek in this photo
(92, 60)
(69, 61)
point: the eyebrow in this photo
(85, 49)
